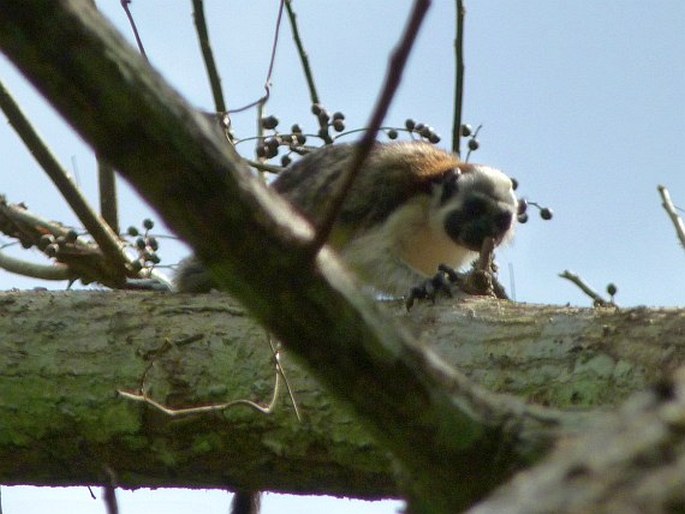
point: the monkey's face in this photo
(476, 204)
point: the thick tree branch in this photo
(427, 414)
(631, 461)
(204, 349)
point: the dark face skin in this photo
(481, 216)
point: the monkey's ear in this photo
(449, 184)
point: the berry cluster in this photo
(269, 146)
(146, 246)
(424, 131)
(52, 245)
(328, 121)
(522, 213)
(473, 143)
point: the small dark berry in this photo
(153, 258)
(473, 144)
(153, 243)
(260, 151)
(514, 184)
(269, 122)
(425, 131)
(132, 231)
(316, 109)
(338, 116)
(338, 125)
(295, 129)
(409, 124)
(136, 266)
(434, 138)
(285, 161)
(546, 214)
(522, 206)
(466, 130)
(51, 250)
(140, 243)
(271, 152)
(301, 139)
(272, 143)
(522, 218)
(71, 236)
(612, 289)
(419, 127)
(392, 134)
(148, 223)
(45, 240)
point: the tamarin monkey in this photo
(411, 208)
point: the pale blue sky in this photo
(581, 101)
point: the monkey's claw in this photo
(442, 281)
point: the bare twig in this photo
(83, 258)
(56, 271)
(486, 255)
(304, 58)
(272, 60)
(276, 351)
(139, 42)
(108, 195)
(106, 239)
(597, 300)
(141, 395)
(670, 209)
(459, 78)
(208, 55)
(264, 167)
(398, 61)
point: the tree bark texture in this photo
(261, 251)
(452, 441)
(63, 356)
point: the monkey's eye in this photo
(449, 186)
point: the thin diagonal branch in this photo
(459, 78)
(670, 209)
(309, 76)
(272, 60)
(585, 288)
(132, 22)
(106, 239)
(108, 195)
(208, 55)
(398, 60)
(304, 58)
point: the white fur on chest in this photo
(405, 249)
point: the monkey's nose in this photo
(502, 222)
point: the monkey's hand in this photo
(481, 280)
(441, 282)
